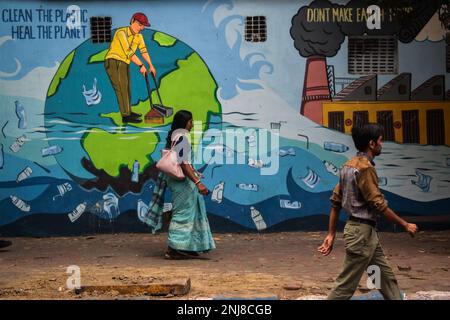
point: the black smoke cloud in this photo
(325, 38)
(311, 38)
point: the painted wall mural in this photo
(69, 164)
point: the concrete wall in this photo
(67, 160)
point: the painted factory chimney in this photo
(315, 88)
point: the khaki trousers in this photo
(363, 249)
(119, 74)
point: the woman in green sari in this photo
(189, 231)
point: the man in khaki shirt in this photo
(121, 52)
(358, 193)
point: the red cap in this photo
(142, 18)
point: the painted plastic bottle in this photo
(247, 186)
(25, 173)
(62, 189)
(20, 204)
(135, 176)
(287, 204)
(17, 145)
(77, 212)
(257, 219)
(334, 146)
(288, 152)
(51, 151)
(20, 112)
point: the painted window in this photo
(410, 119)
(101, 29)
(336, 120)
(360, 118)
(372, 55)
(435, 127)
(386, 119)
(255, 29)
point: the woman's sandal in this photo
(172, 254)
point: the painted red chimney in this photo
(315, 88)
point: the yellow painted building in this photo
(431, 127)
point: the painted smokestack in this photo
(318, 40)
(315, 88)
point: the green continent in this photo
(110, 151)
(164, 40)
(98, 57)
(62, 72)
(190, 87)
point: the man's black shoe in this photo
(136, 115)
(4, 243)
(131, 119)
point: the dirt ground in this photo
(243, 265)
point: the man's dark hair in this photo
(363, 135)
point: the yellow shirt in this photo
(124, 45)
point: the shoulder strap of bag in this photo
(174, 142)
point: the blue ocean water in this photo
(287, 184)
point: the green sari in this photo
(189, 227)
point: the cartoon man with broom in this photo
(121, 52)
